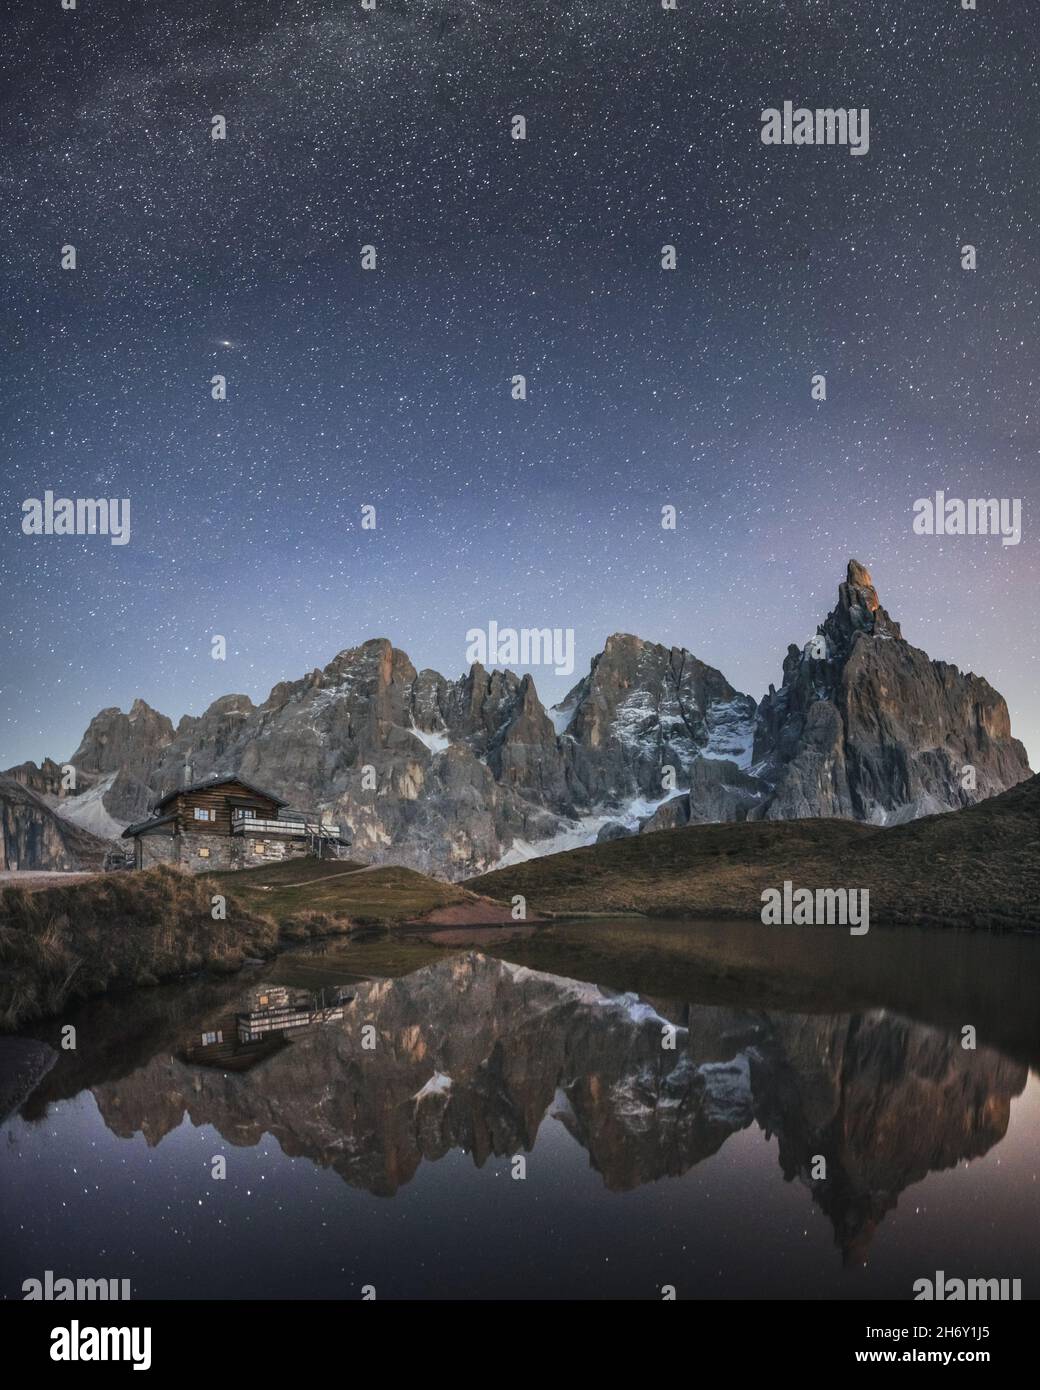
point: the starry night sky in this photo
(495, 256)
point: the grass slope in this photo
(979, 867)
(61, 943)
(113, 932)
(313, 892)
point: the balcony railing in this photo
(251, 825)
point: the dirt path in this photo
(327, 878)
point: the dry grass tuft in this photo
(116, 932)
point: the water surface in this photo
(818, 1129)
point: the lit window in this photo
(203, 853)
(258, 846)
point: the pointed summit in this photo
(858, 577)
(868, 727)
(472, 770)
(859, 610)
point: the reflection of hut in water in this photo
(280, 1011)
(217, 1044)
(237, 1041)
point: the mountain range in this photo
(457, 777)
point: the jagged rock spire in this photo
(859, 610)
(869, 727)
(858, 578)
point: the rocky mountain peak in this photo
(131, 742)
(869, 727)
(858, 578)
(814, 664)
(859, 610)
(366, 660)
(43, 780)
(141, 709)
(231, 704)
(472, 769)
(622, 642)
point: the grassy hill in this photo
(114, 931)
(979, 867)
(304, 895)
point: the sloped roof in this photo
(144, 825)
(209, 782)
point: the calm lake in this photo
(585, 1111)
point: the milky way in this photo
(391, 388)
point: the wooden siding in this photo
(218, 799)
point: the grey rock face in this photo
(642, 708)
(44, 780)
(33, 837)
(450, 776)
(115, 741)
(868, 727)
(719, 791)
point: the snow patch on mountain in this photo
(561, 716)
(731, 732)
(727, 1091)
(578, 833)
(88, 810)
(635, 719)
(639, 1011)
(584, 830)
(438, 1085)
(435, 741)
(639, 808)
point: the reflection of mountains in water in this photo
(472, 1053)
